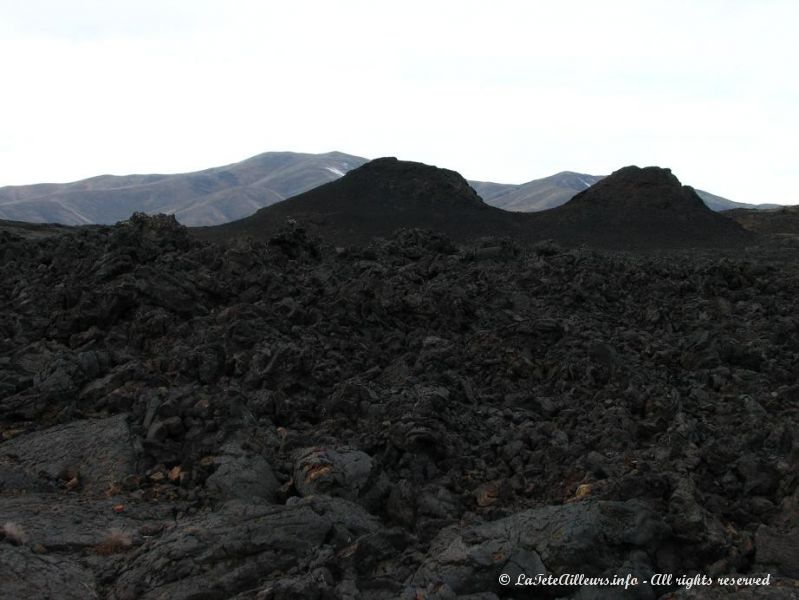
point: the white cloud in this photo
(504, 91)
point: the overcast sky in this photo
(503, 91)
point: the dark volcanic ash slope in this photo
(784, 220)
(632, 208)
(376, 199)
(555, 190)
(277, 420)
(639, 208)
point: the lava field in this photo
(407, 418)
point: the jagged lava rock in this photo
(94, 453)
(611, 412)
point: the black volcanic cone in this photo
(376, 199)
(641, 208)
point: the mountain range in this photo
(231, 192)
(208, 197)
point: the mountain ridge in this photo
(230, 192)
(210, 196)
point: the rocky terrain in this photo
(281, 418)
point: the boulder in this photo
(91, 453)
(341, 472)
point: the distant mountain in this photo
(720, 204)
(208, 197)
(556, 190)
(539, 194)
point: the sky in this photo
(505, 91)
